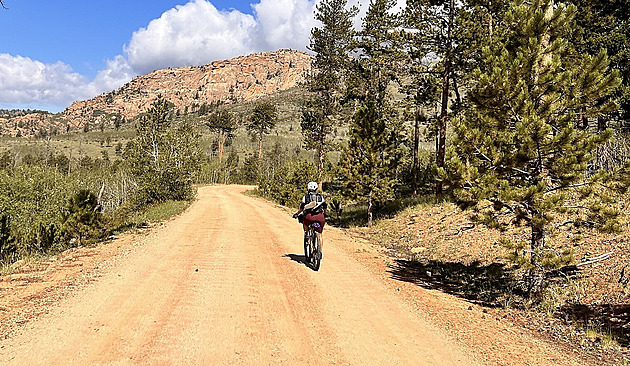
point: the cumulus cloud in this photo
(192, 34)
(23, 80)
(117, 73)
(284, 23)
(28, 83)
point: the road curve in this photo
(223, 284)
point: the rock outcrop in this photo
(243, 78)
(188, 88)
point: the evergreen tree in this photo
(370, 165)
(420, 86)
(262, 120)
(519, 146)
(82, 218)
(443, 40)
(221, 122)
(331, 43)
(605, 24)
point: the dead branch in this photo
(599, 258)
(468, 226)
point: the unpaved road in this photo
(224, 284)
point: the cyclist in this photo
(312, 210)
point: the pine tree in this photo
(605, 24)
(262, 120)
(369, 163)
(519, 145)
(369, 166)
(331, 43)
(221, 122)
(82, 218)
(443, 40)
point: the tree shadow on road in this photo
(486, 285)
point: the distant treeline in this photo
(12, 113)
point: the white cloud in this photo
(117, 73)
(23, 80)
(192, 34)
(284, 23)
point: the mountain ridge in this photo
(242, 78)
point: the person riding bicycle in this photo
(312, 209)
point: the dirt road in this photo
(224, 284)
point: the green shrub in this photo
(288, 184)
(82, 218)
(8, 249)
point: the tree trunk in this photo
(416, 142)
(222, 138)
(260, 138)
(320, 167)
(441, 150)
(535, 276)
(369, 211)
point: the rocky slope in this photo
(188, 88)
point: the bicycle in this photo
(313, 246)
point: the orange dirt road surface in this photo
(224, 284)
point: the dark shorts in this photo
(310, 218)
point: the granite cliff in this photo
(243, 78)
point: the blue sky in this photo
(55, 52)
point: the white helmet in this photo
(312, 186)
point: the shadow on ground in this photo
(297, 258)
(485, 285)
(607, 319)
(494, 286)
(356, 214)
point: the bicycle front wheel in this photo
(307, 249)
(317, 251)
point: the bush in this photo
(31, 198)
(82, 218)
(287, 185)
(164, 160)
(8, 249)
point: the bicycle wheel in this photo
(317, 251)
(307, 248)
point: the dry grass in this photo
(437, 246)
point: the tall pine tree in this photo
(332, 43)
(519, 145)
(262, 120)
(370, 164)
(222, 122)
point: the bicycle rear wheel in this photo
(317, 251)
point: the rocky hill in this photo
(188, 88)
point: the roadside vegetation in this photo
(482, 142)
